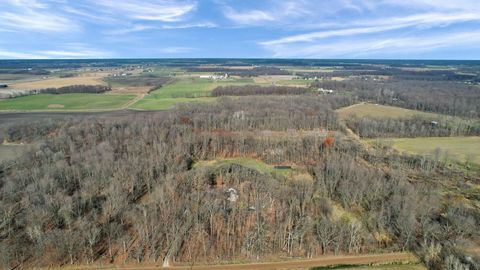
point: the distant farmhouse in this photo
(215, 77)
(324, 91)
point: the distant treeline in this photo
(252, 90)
(416, 126)
(92, 89)
(425, 75)
(450, 98)
(253, 72)
(25, 71)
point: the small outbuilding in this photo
(283, 167)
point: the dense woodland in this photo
(129, 190)
(452, 98)
(92, 89)
(149, 80)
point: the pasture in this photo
(182, 91)
(460, 149)
(49, 102)
(379, 111)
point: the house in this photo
(434, 123)
(325, 91)
(215, 77)
(232, 195)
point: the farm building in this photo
(283, 167)
(325, 91)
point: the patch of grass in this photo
(65, 102)
(453, 148)
(380, 111)
(251, 163)
(10, 152)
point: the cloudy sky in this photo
(402, 29)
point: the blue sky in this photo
(400, 29)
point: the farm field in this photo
(379, 111)
(185, 90)
(65, 102)
(84, 79)
(457, 148)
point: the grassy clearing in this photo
(453, 148)
(193, 87)
(379, 111)
(65, 102)
(10, 152)
(246, 162)
(182, 91)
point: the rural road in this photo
(321, 261)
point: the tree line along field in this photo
(456, 148)
(462, 149)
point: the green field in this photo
(65, 102)
(455, 148)
(379, 111)
(184, 90)
(245, 162)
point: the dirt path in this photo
(132, 101)
(321, 261)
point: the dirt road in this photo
(321, 261)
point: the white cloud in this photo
(64, 51)
(153, 10)
(248, 17)
(376, 46)
(381, 25)
(33, 16)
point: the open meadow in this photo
(460, 149)
(379, 111)
(77, 101)
(182, 91)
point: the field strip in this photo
(307, 263)
(133, 101)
